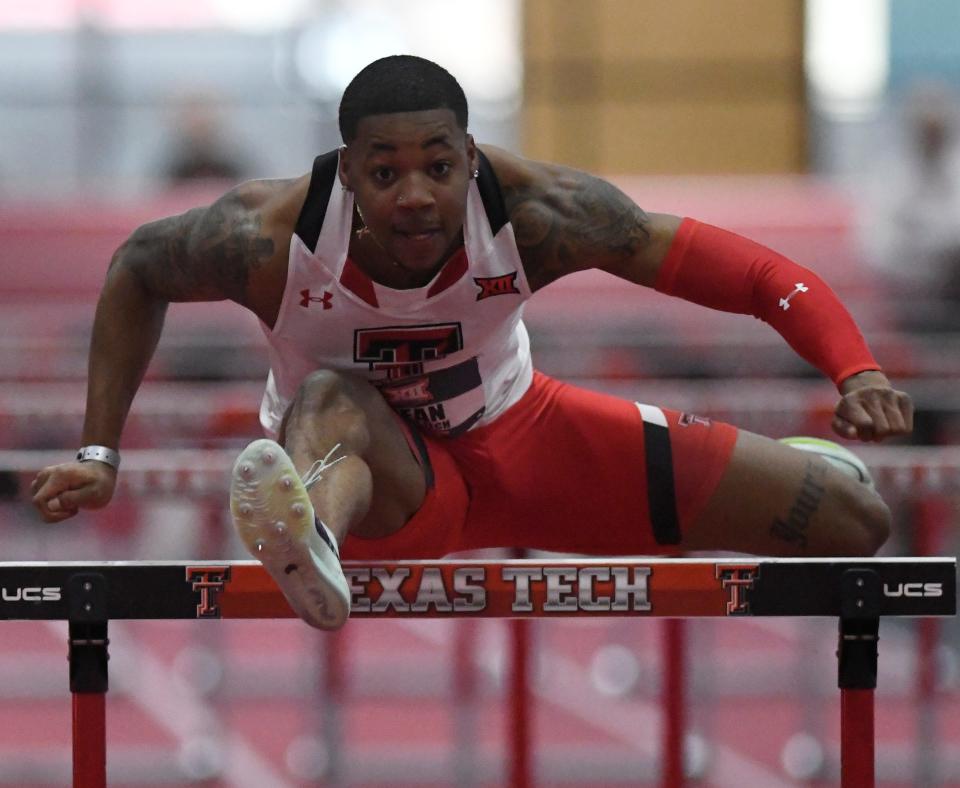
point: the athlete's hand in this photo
(870, 409)
(60, 491)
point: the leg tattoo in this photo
(793, 528)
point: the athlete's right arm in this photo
(207, 254)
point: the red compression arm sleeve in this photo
(722, 270)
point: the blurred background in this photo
(826, 130)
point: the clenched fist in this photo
(60, 491)
(871, 409)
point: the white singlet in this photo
(448, 356)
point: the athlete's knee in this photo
(324, 388)
(876, 521)
(866, 519)
(335, 401)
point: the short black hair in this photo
(399, 83)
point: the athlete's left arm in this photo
(566, 220)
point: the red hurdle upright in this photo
(674, 701)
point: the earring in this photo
(476, 173)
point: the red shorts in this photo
(567, 470)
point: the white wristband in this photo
(100, 454)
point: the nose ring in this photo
(401, 198)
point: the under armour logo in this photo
(799, 287)
(306, 298)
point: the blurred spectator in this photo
(912, 228)
(200, 148)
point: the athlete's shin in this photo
(326, 434)
(341, 498)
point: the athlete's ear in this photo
(343, 168)
(473, 157)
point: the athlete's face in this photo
(409, 172)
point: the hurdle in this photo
(201, 476)
(858, 592)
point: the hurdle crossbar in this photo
(682, 588)
(856, 591)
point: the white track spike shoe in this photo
(274, 518)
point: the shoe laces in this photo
(315, 472)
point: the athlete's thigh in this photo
(777, 500)
(572, 470)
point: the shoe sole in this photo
(273, 516)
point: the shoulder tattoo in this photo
(578, 222)
(203, 254)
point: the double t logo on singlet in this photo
(427, 398)
(397, 348)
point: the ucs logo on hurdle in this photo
(31, 594)
(913, 589)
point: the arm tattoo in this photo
(205, 254)
(578, 222)
(793, 528)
